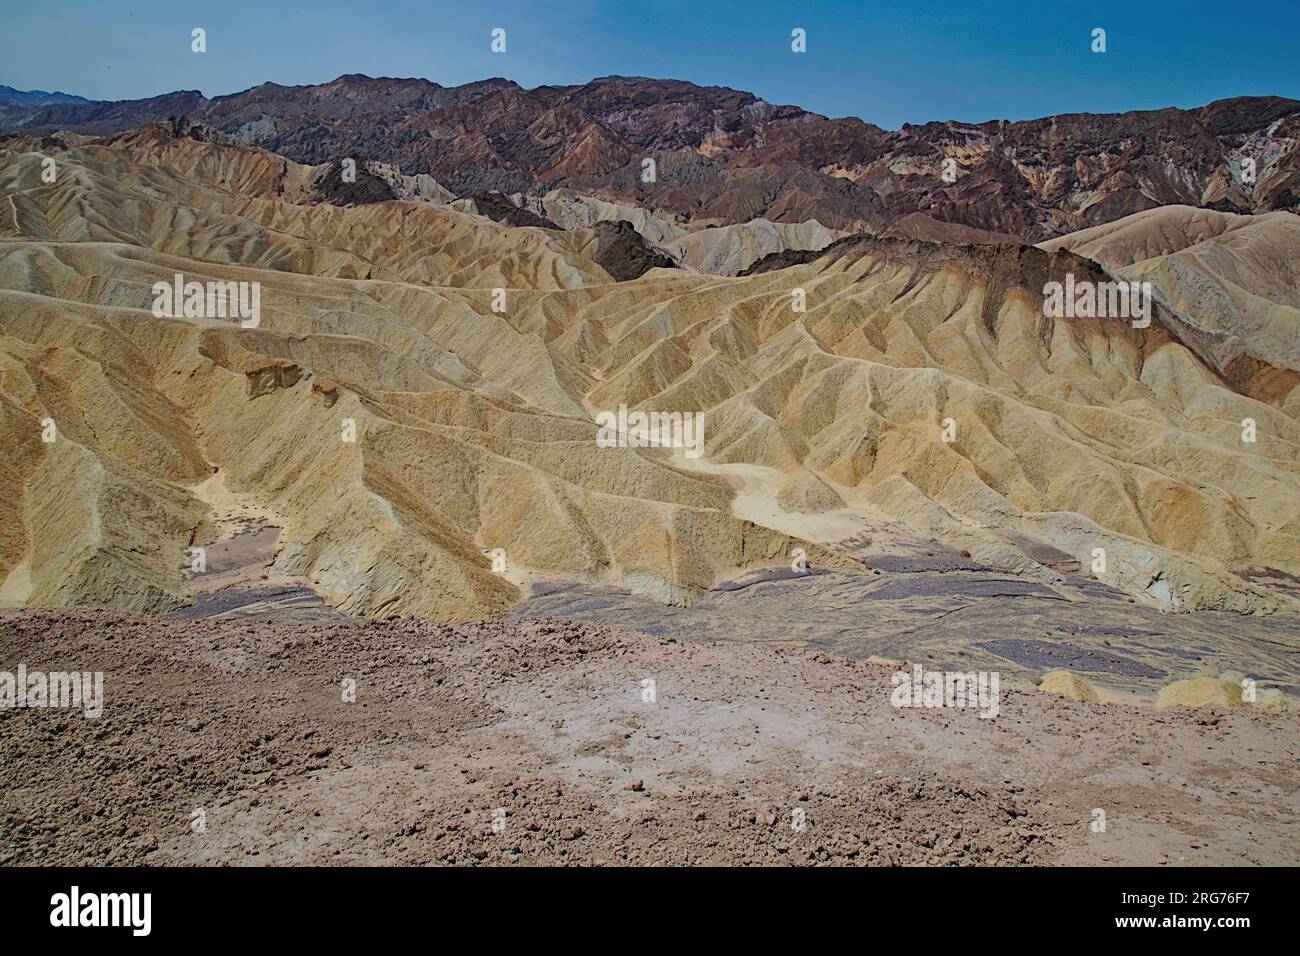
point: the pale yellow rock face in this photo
(727, 250)
(715, 250)
(1231, 275)
(474, 427)
(570, 210)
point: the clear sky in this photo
(886, 62)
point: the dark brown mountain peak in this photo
(366, 187)
(624, 253)
(1242, 114)
(500, 209)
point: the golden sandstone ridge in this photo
(474, 428)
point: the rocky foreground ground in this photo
(534, 742)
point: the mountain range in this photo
(11, 97)
(724, 157)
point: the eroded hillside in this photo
(468, 359)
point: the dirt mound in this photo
(1229, 690)
(1069, 685)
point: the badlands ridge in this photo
(474, 428)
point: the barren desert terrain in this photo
(748, 754)
(369, 581)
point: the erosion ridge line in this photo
(726, 156)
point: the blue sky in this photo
(886, 62)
